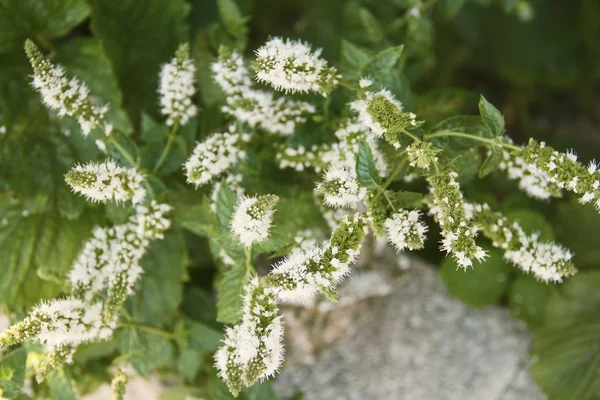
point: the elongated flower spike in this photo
(255, 107)
(565, 171)
(422, 155)
(305, 272)
(176, 87)
(119, 384)
(340, 188)
(448, 207)
(533, 181)
(106, 181)
(66, 96)
(214, 156)
(405, 230)
(547, 261)
(292, 66)
(384, 115)
(252, 349)
(252, 218)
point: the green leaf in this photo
(353, 57)
(260, 391)
(365, 166)
(374, 31)
(161, 286)
(153, 33)
(123, 149)
(22, 19)
(231, 289)
(85, 59)
(491, 117)
(233, 21)
(578, 227)
(567, 348)
(470, 124)
(189, 363)
(226, 201)
(452, 7)
(183, 393)
(146, 351)
(384, 62)
(527, 299)
(442, 103)
(12, 372)
(60, 384)
(36, 251)
(203, 337)
(491, 162)
(482, 285)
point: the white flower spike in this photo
(176, 88)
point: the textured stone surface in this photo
(418, 343)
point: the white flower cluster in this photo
(309, 270)
(338, 154)
(176, 87)
(405, 230)
(253, 349)
(106, 181)
(252, 218)
(257, 108)
(61, 94)
(110, 259)
(548, 261)
(458, 232)
(340, 188)
(214, 156)
(291, 66)
(532, 180)
(382, 113)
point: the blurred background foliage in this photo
(538, 61)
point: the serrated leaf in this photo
(373, 29)
(491, 163)
(365, 166)
(353, 56)
(47, 19)
(61, 387)
(153, 33)
(231, 289)
(483, 284)
(567, 348)
(12, 372)
(226, 201)
(491, 117)
(160, 290)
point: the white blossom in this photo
(66, 96)
(340, 188)
(405, 230)
(214, 156)
(176, 88)
(365, 82)
(291, 66)
(230, 72)
(532, 180)
(252, 219)
(106, 181)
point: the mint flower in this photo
(214, 156)
(547, 261)
(291, 66)
(66, 96)
(252, 218)
(384, 115)
(106, 181)
(257, 108)
(565, 172)
(448, 208)
(422, 155)
(532, 180)
(176, 87)
(252, 349)
(119, 384)
(305, 272)
(405, 230)
(340, 188)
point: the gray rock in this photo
(417, 343)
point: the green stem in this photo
(388, 200)
(125, 154)
(151, 329)
(494, 142)
(411, 135)
(347, 86)
(165, 151)
(248, 253)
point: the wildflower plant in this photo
(211, 183)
